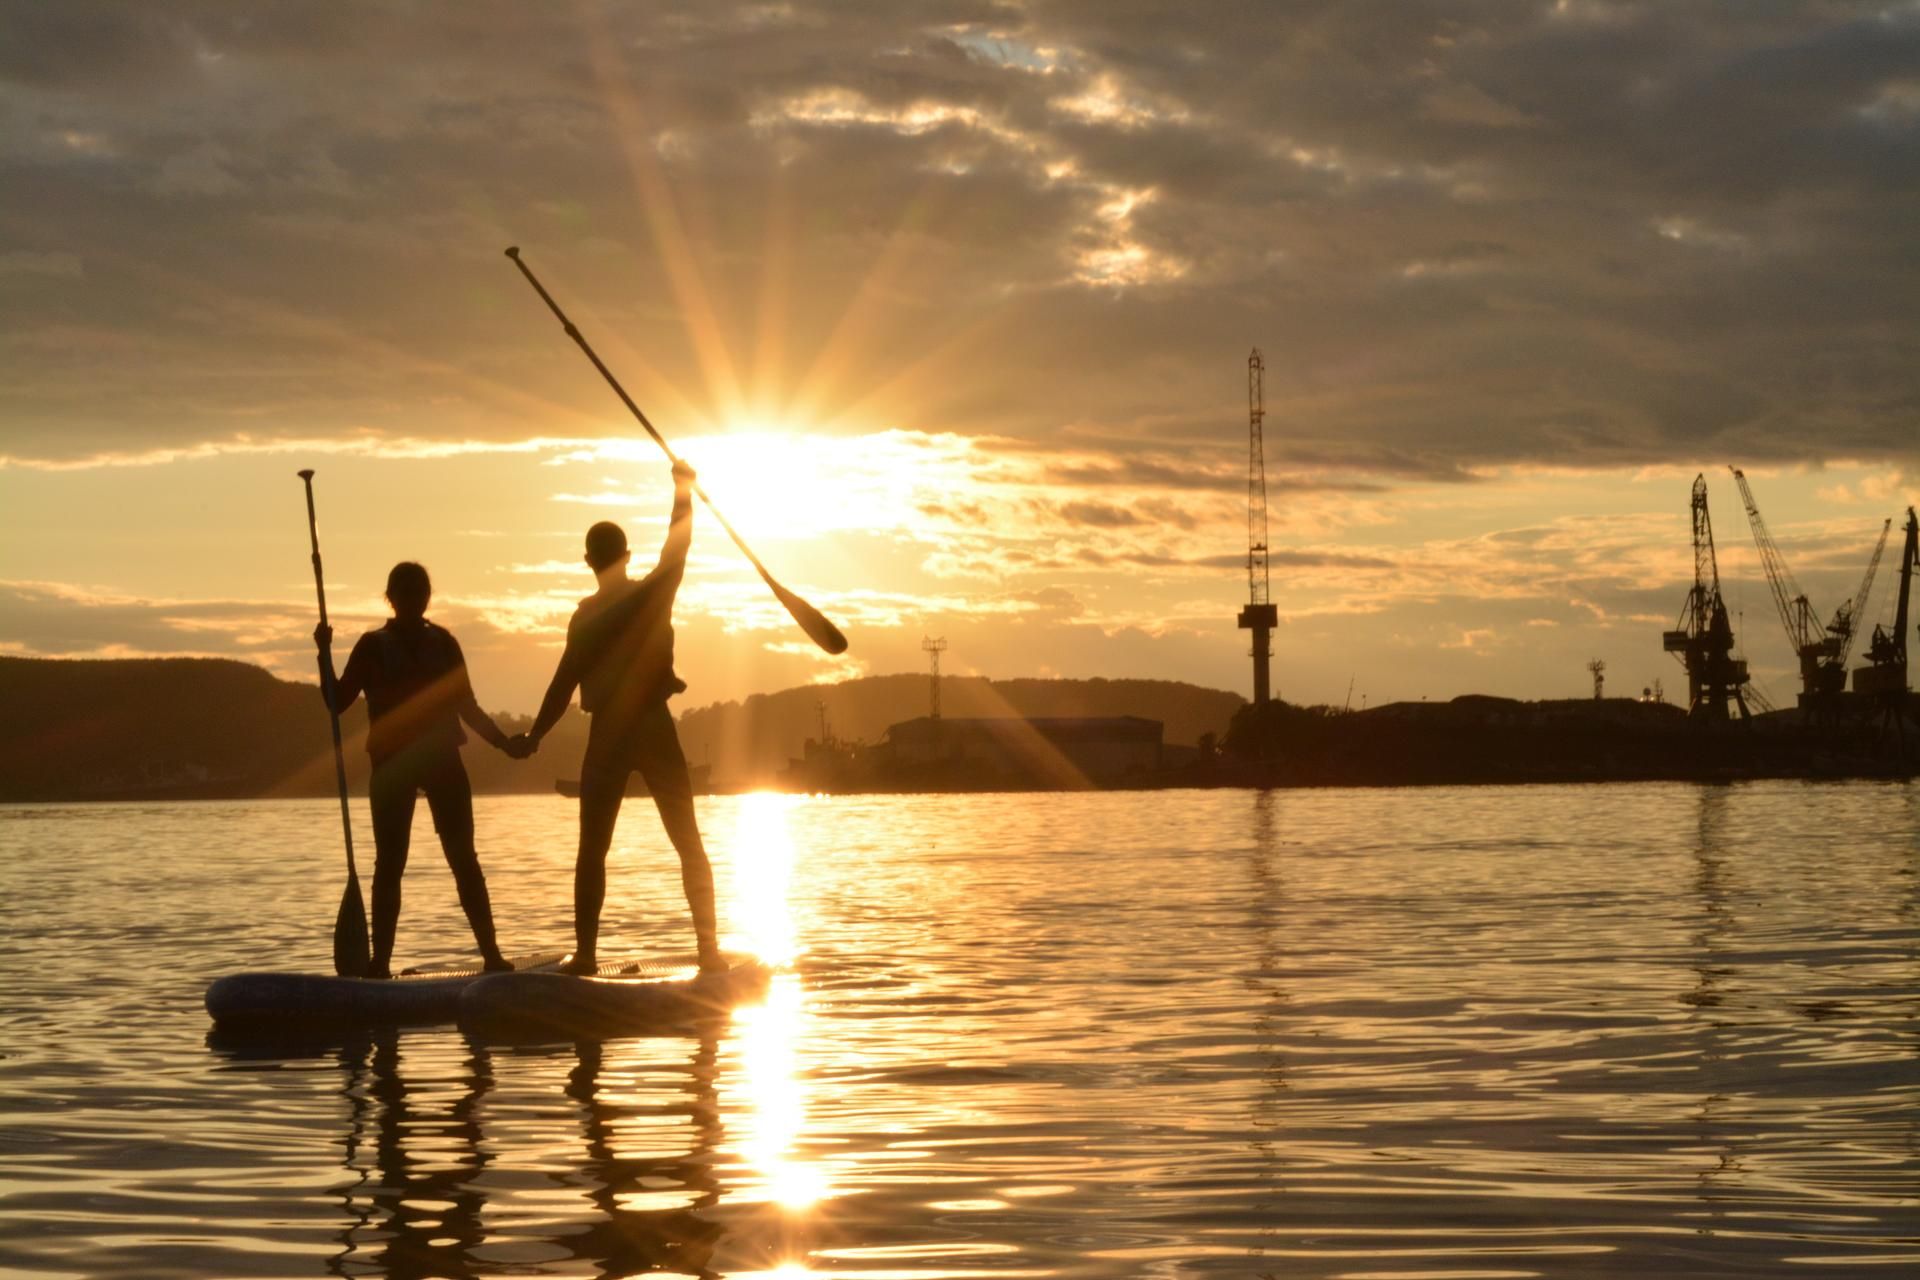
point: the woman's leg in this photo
(450, 798)
(390, 794)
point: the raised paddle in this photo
(352, 957)
(811, 620)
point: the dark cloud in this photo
(1100, 515)
(1592, 233)
(1279, 559)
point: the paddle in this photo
(811, 620)
(352, 957)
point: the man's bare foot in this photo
(379, 973)
(497, 964)
(713, 962)
(582, 966)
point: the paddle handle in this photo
(573, 332)
(326, 676)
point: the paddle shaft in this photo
(574, 333)
(326, 672)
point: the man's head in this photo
(409, 589)
(606, 546)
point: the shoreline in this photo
(1278, 778)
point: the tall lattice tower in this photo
(1598, 669)
(1260, 616)
(934, 647)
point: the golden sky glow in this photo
(1062, 561)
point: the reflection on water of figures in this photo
(1601, 1031)
(622, 1194)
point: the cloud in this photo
(51, 619)
(1100, 515)
(27, 262)
(1598, 235)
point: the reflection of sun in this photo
(763, 858)
(768, 1039)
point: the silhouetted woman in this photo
(415, 679)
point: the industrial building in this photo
(1065, 753)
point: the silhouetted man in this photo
(415, 679)
(619, 655)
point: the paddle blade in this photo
(352, 956)
(811, 620)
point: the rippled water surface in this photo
(1599, 1031)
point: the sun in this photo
(777, 484)
(769, 484)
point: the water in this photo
(1601, 1031)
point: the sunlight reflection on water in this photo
(1604, 1031)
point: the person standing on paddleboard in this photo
(415, 679)
(619, 655)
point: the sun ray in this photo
(657, 203)
(863, 311)
(776, 280)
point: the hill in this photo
(208, 727)
(180, 728)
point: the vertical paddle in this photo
(811, 620)
(352, 956)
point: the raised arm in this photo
(673, 552)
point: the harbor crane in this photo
(1703, 639)
(1260, 616)
(1821, 649)
(1885, 677)
(1846, 619)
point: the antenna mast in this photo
(1260, 616)
(934, 647)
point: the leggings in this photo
(392, 792)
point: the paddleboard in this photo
(427, 994)
(535, 1007)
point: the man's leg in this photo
(390, 795)
(603, 784)
(665, 768)
(450, 798)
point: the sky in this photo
(951, 304)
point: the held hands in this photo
(683, 475)
(520, 746)
(323, 637)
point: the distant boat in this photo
(700, 774)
